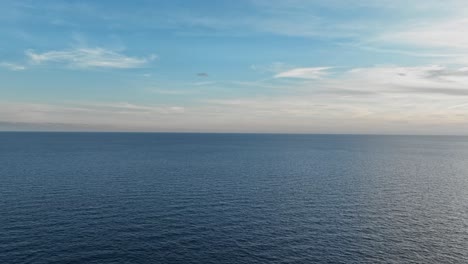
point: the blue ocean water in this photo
(232, 198)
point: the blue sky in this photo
(294, 66)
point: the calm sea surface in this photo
(232, 198)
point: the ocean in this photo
(232, 198)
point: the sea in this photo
(232, 198)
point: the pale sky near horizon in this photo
(294, 66)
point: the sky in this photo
(254, 66)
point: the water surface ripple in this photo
(232, 198)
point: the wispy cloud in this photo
(458, 106)
(304, 73)
(12, 66)
(424, 79)
(89, 58)
(91, 115)
(451, 33)
(124, 107)
(275, 67)
(305, 112)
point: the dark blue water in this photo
(226, 198)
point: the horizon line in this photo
(230, 133)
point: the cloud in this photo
(275, 67)
(124, 107)
(202, 74)
(438, 33)
(89, 58)
(12, 66)
(451, 33)
(458, 106)
(320, 109)
(407, 113)
(32, 126)
(90, 115)
(441, 91)
(423, 79)
(304, 73)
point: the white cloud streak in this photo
(12, 66)
(418, 80)
(304, 73)
(89, 58)
(451, 33)
(115, 115)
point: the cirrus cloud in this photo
(304, 73)
(89, 58)
(12, 66)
